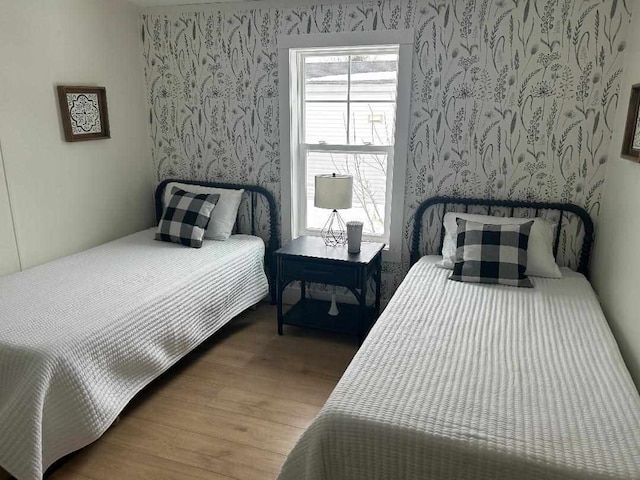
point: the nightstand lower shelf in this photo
(313, 314)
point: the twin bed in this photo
(80, 336)
(461, 381)
(455, 381)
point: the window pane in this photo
(326, 78)
(369, 173)
(374, 77)
(325, 123)
(372, 123)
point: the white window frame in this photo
(291, 104)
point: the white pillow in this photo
(540, 259)
(223, 217)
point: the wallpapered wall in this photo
(510, 98)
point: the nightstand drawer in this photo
(320, 272)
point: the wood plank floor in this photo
(232, 409)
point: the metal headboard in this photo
(252, 192)
(512, 205)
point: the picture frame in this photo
(84, 112)
(631, 139)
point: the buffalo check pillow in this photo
(488, 253)
(186, 217)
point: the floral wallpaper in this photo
(510, 98)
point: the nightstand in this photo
(308, 259)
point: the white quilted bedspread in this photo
(80, 336)
(473, 382)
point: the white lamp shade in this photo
(333, 191)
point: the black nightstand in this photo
(308, 259)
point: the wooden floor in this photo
(232, 409)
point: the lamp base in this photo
(334, 232)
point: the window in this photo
(345, 116)
(348, 124)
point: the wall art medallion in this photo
(84, 113)
(631, 139)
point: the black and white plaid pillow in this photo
(489, 253)
(186, 218)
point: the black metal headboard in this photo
(252, 191)
(512, 205)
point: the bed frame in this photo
(511, 206)
(251, 195)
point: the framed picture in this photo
(84, 113)
(631, 141)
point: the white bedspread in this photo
(475, 382)
(80, 336)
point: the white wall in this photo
(616, 268)
(67, 197)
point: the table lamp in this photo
(334, 192)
